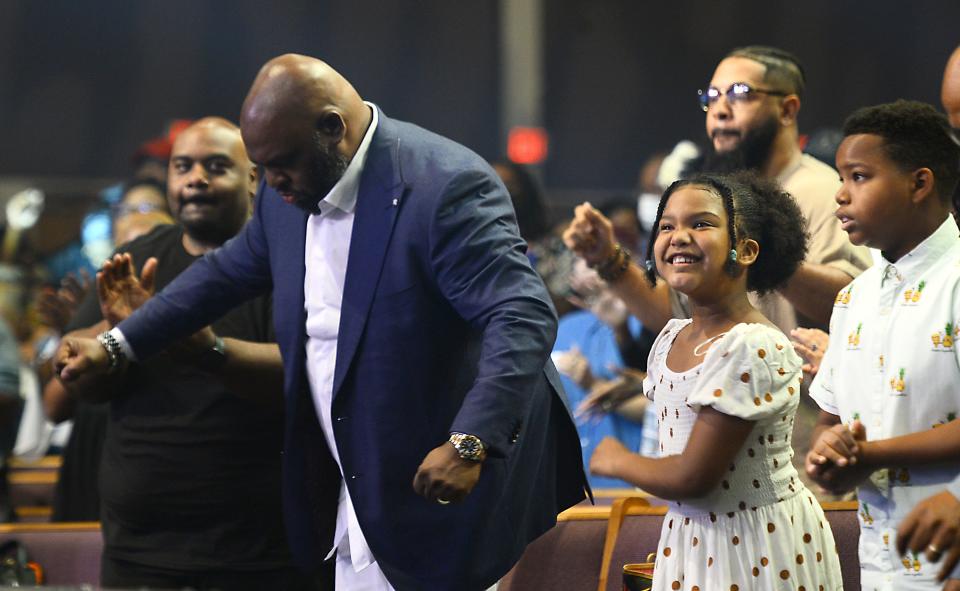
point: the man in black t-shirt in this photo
(190, 474)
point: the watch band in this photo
(215, 356)
(115, 353)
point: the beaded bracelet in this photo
(615, 266)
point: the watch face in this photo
(469, 447)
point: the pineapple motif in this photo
(911, 564)
(898, 384)
(843, 297)
(912, 296)
(918, 291)
(886, 539)
(947, 338)
(865, 514)
(853, 339)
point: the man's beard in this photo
(329, 167)
(750, 154)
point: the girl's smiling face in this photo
(693, 243)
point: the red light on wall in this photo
(527, 145)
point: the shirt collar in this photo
(925, 254)
(343, 195)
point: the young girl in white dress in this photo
(726, 384)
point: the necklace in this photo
(696, 350)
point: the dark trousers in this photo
(122, 574)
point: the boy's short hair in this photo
(915, 135)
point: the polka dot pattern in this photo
(740, 536)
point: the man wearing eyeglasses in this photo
(751, 107)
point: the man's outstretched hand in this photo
(444, 476)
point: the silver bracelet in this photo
(114, 352)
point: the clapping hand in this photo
(574, 365)
(810, 344)
(56, 307)
(835, 461)
(605, 396)
(120, 290)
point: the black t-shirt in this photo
(190, 473)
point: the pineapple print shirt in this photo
(893, 363)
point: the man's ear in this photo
(789, 109)
(332, 126)
(924, 185)
(747, 251)
(253, 180)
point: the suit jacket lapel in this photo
(378, 201)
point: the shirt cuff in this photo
(954, 487)
(124, 345)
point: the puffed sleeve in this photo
(751, 373)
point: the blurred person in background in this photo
(545, 249)
(189, 479)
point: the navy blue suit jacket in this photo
(444, 327)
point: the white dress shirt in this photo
(325, 257)
(894, 364)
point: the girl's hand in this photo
(590, 235)
(607, 456)
(952, 585)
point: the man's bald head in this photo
(210, 183)
(213, 126)
(950, 91)
(303, 122)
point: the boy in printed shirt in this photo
(889, 380)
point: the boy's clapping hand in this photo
(835, 461)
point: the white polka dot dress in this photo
(760, 528)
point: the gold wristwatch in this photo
(468, 446)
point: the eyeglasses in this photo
(738, 92)
(122, 209)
